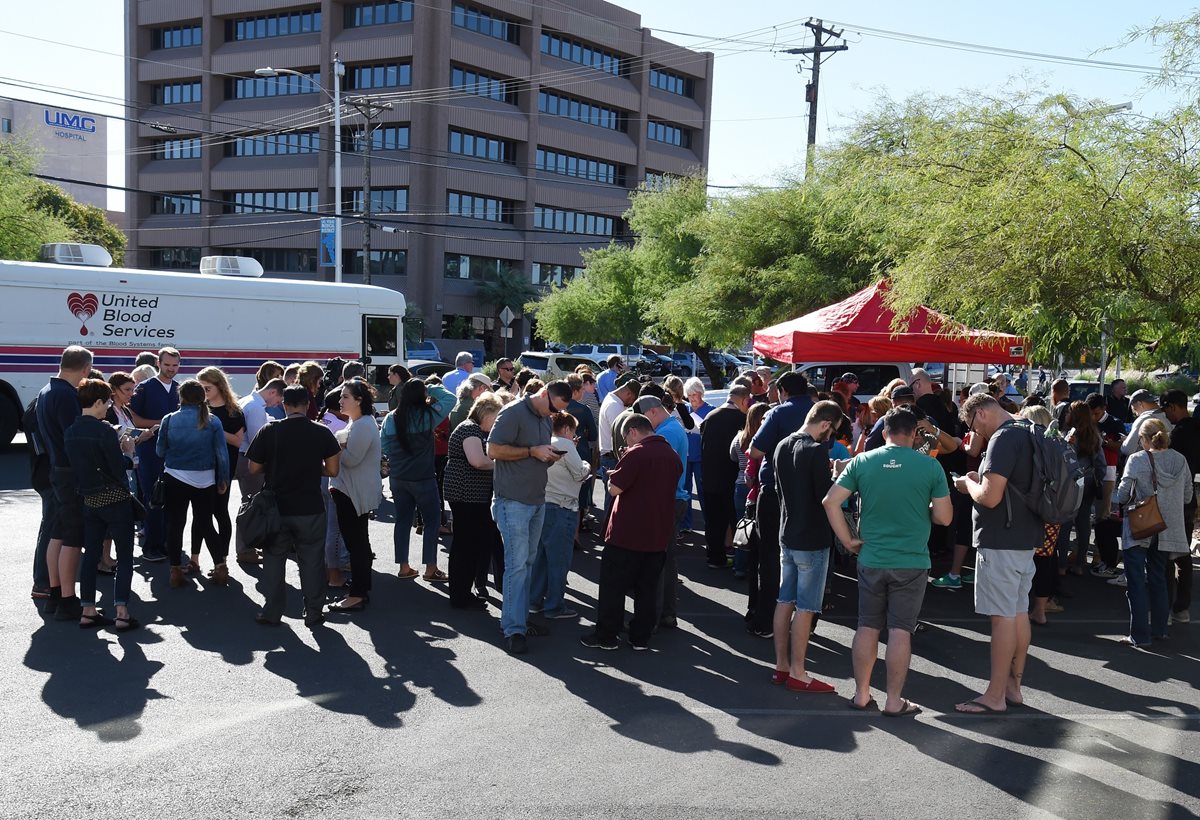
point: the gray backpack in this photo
(1056, 490)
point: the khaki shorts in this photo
(1002, 582)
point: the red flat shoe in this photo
(814, 686)
(778, 678)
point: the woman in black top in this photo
(223, 404)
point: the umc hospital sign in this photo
(69, 126)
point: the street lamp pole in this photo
(339, 71)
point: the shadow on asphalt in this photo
(714, 663)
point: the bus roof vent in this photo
(71, 253)
(231, 266)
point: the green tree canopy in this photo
(87, 223)
(1037, 215)
(23, 227)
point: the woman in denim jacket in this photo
(191, 442)
(99, 465)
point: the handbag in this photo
(258, 514)
(158, 493)
(1145, 519)
(743, 532)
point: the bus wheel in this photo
(9, 418)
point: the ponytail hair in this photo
(1154, 433)
(191, 393)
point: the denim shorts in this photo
(802, 580)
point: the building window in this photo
(658, 181)
(176, 204)
(273, 25)
(580, 111)
(673, 83)
(269, 145)
(569, 165)
(177, 36)
(5, 126)
(474, 206)
(557, 219)
(174, 258)
(670, 134)
(279, 260)
(485, 22)
(285, 85)
(385, 75)
(187, 148)
(383, 138)
(245, 202)
(379, 14)
(483, 85)
(383, 263)
(177, 93)
(477, 268)
(556, 45)
(545, 275)
(477, 145)
(383, 200)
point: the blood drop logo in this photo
(83, 306)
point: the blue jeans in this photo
(115, 521)
(548, 583)
(692, 474)
(607, 463)
(410, 496)
(1146, 572)
(520, 527)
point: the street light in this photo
(339, 71)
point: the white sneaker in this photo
(1184, 617)
(1119, 581)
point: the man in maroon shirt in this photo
(639, 530)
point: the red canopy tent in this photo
(859, 329)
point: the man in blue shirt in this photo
(154, 399)
(780, 422)
(608, 379)
(465, 363)
(671, 429)
(57, 409)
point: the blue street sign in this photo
(328, 246)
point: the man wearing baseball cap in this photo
(1145, 406)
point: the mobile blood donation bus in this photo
(225, 316)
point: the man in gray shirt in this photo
(520, 444)
(1006, 532)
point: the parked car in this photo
(632, 354)
(423, 368)
(655, 364)
(555, 365)
(425, 350)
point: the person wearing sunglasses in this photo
(506, 373)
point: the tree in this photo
(23, 227)
(599, 304)
(87, 223)
(1042, 216)
(505, 288)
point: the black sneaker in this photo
(669, 622)
(760, 633)
(594, 642)
(639, 647)
(154, 556)
(516, 644)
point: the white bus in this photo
(223, 316)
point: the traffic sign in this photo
(507, 316)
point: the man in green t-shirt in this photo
(901, 491)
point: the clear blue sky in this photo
(759, 125)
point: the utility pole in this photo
(369, 109)
(816, 52)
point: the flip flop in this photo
(1012, 704)
(869, 706)
(980, 709)
(126, 624)
(407, 575)
(907, 709)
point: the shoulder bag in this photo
(258, 514)
(158, 495)
(1145, 519)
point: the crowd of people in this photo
(790, 480)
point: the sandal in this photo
(407, 574)
(908, 709)
(436, 577)
(94, 621)
(126, 624)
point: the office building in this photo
(68, 144)
(515, 132)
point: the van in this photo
(632, 354)
(872, 376)
(550, 366)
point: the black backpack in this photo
(1056, 490)
(39, 457)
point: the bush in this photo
(489, 369)
(1159, 386)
